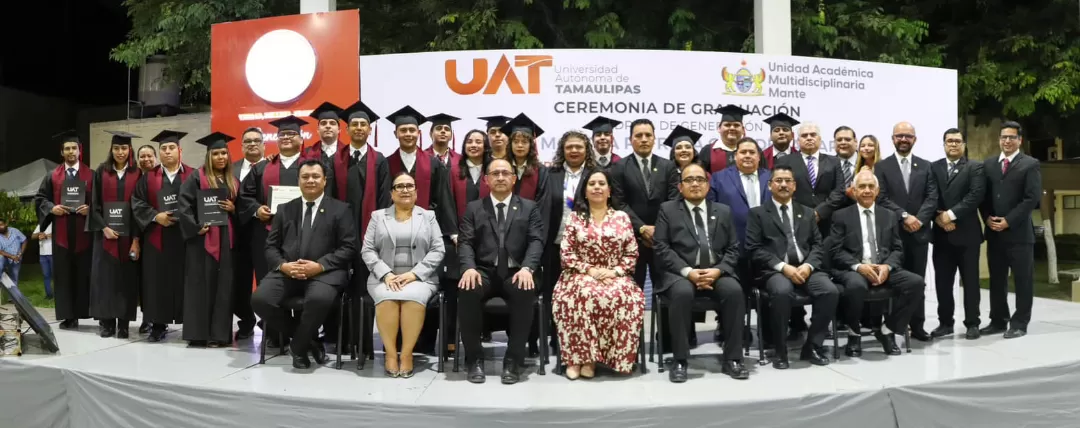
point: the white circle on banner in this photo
(280, 66)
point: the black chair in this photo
(437, 301)
(498, 306)
(801, 299)
(700, 303)
(877, 295)
(295, 305)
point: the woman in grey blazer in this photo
(403, 250)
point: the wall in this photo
(196, 125)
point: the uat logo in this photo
(502, 76)
(72, 189)
(116, 211)
(210, 200)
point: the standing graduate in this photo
(208, 277)
(500, 142)
(442, 139)
(782, 135)
(531, 175)
(71, 252)
(328, 116)
(114, 277)
(153, 207)
(719, 155)
(603, 140)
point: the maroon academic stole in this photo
(459, 187)
(153, 186)
(529, 182)
(717, 158)
(422, 175)
(108, 194)
(212, 239)
(59, 175)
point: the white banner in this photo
(563, 90)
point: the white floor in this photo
(1052, 339)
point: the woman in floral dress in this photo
(596, 304)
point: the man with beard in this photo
(248, 249)
(500, 142)
(911, 191)
(717, 156)
(328, 116)
(603, 140)
(781, 127)
(63, 200)
(153, 207)
(442, 138)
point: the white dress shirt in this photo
(75, 167)
(119, 172)
(314, 209)
(44, 245)
(791, 221)
(511, 263)
(363, 151)
(751, 188)
(171, 175)
(949, 165)
(245, 168)
(474, 170)
(330, 150)
(287, 162)
(407, 159)
(867, 255)
(816, 162)
(1002, 157)
(705, 218)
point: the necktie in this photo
(305, 229)
(952, 169)
(71, 172)
(503, 264)
(848, 173)
(355, 158)
(603, 160)
(871, 235)
(752, 197)
(905, 170)
(1004, 165)
(704, 249)
(812, 171)
(646, 173)
(792, 252)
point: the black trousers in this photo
(1020, 258)
(915, 255)
(471, 311)
(244, 273)
(907, 288)
(782, 293)
(319, 298)
(948, 259)
(727, 295)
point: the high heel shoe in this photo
(402, 373)
(387, 371)
(573, 372)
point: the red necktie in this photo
(1004, 165)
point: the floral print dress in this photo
(599, 321)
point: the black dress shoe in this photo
(888, 342)
(942, 331)
(815, 355)
(299, 358)
(318, 353)
(157, 333)
(1015, 332)
(70, 324)
(677, 374)
(992, 329)
(244, 333)
(921, 335)
(853, 348)
(144, 327)
(107, 328)
(476, 372)
(485, 337)
(510, 374)
(972, 333)
(735, 369)
(122, 331)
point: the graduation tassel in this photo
(376, 130)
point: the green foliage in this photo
(20, 215)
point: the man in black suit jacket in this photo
(1014, 187)
(640, 183)
(312, 241)
(500, 243)
(697, 251)
(867, 252)
(957, 235)
(909, 190)
(244, 263)
(786, 252)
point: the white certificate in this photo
(282, 194)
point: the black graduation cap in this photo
(69, 136)
(406, 116)
(680, 134)
(121, 138)
(442, 119)
(325, 111)
(601, 124)
(781, 120)
(217, 140)
(731, 113)
(359, 110)
(168, 136)
(289, 123)
(495, 121)
(522, 123)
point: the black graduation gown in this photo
(162, 269)
(114, 282)
(208, 283)
(705, 157)
(253, 191)
(71, 268)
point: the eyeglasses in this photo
(698, 180)
(783, 180)
(252, 142)
(500, 173)
(1010, 137)
(903, 136)
(404, 186)
(954, 142)
(288, 134)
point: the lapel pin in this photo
(654, 170)
(712, 218)
(798, 215)
(322, 210)
(515, 208)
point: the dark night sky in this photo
(73, 63)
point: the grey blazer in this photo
(427, 245)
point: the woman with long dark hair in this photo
(531, 175)
(596, 304)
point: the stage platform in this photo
(952, 382)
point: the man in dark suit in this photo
(500, 242)
(957, 235)
(697, 251)
(244, 263)
(867, 251)
(641, 182)
(909, 190)
(312, 241)
(786, 253)
(742, 188)
(1014, 187)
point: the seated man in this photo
(500, 242)
(697, 252)
(311, 242)
(867, 252)
(786, 253)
